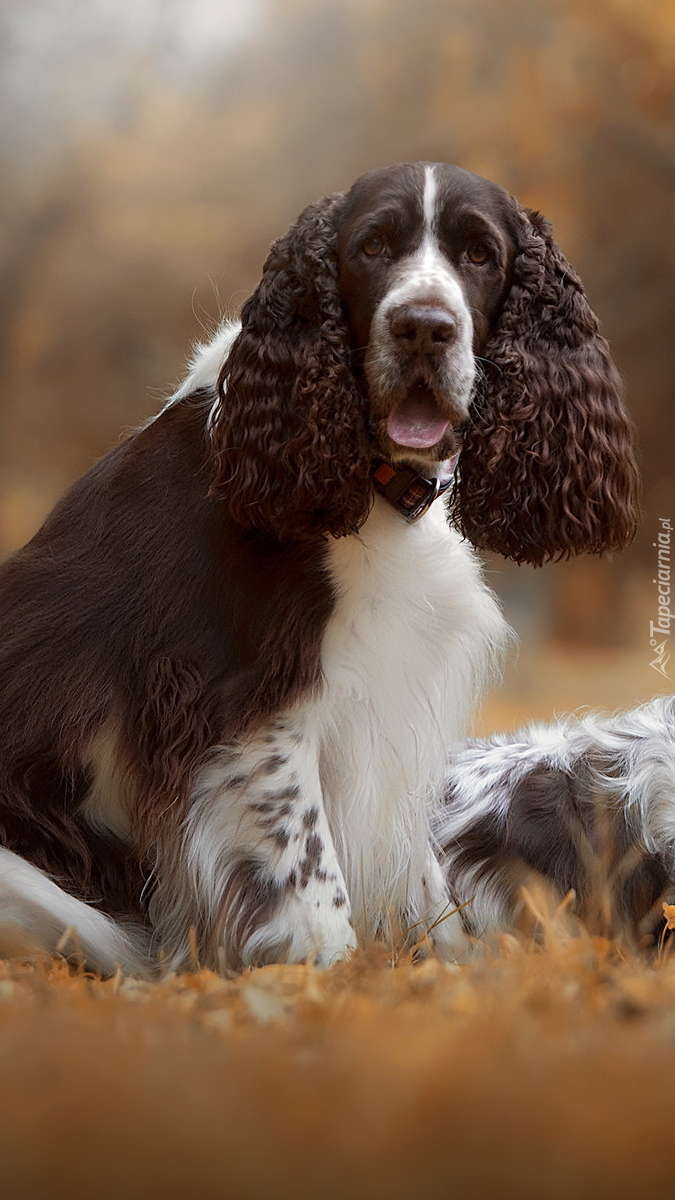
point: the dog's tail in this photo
(37, 915)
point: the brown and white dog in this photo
(236, 655)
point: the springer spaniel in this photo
(236, 655)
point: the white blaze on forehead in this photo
(429, 199)
(428, 273)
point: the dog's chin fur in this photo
(426, 462)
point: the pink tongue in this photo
(416, 422)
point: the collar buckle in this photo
(408, 492)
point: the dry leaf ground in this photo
(538, 1072)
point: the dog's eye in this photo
(372, 246)
(479, 253)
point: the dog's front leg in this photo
(256, 877)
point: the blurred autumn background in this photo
(152, 150)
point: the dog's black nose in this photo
(423, 328)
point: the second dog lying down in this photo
(586, 805)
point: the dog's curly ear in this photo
(548, 466)
(289, 435)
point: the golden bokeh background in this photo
(151, 151)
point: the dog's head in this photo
(422, 313)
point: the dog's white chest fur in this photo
(412, 637)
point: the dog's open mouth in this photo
(417, 421)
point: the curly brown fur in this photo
(547, 467)
(291, 432)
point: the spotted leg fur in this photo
(259, 880)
